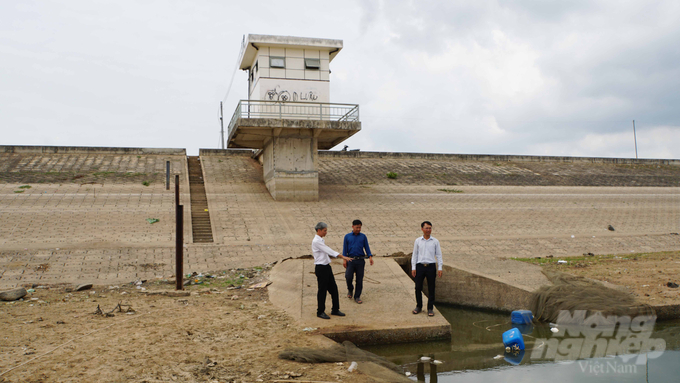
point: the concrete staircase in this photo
(200, 216)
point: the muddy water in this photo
(476, 353)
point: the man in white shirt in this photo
(324, 274)
(426, 251)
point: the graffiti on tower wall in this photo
(277, 94)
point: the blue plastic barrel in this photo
(521, 317)
(513, 337)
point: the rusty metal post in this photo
(167, 175)
(179, 239)
(179, 251)
(176, 190)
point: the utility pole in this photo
(221, 126)
(635, 137)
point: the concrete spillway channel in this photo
(200, 216)
(486, 282)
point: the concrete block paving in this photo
(101, 233)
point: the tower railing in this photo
(294, 110)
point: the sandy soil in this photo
(216, 334)
(645, 275)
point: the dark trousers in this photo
(422, 272)
(326, 282)
(356, 266)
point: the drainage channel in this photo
(476, 353)
(200, 216)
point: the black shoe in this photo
(323, 316)
(338, 313)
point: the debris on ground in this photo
(121, 307)
(252, 278)
(208, 319)
(209, 363)
(165, 293)
(611, 228)
(672, 285)
(83, 287)
(13, 295)
(152, 220)
(260, 285)
(366, 362)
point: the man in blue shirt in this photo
(355, 246)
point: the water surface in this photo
(476, 353)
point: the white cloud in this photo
(651, 143)
(520, 77)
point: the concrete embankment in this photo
(502, 285)
(384, 316)
(486, 282)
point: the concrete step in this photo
(200, 218)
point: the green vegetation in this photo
(392, 175)
(18, 191)
(451, 190)
(146, 183)
(222, 283)
(131, 174)
(25, 187)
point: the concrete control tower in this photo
(288, 116)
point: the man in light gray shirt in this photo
(427, 254)
(324, 274)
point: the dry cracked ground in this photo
(222, 331)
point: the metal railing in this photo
(294, 111)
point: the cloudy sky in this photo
(537, 77)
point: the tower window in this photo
(312, 63)
(277, 62)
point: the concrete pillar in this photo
(289, 166)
